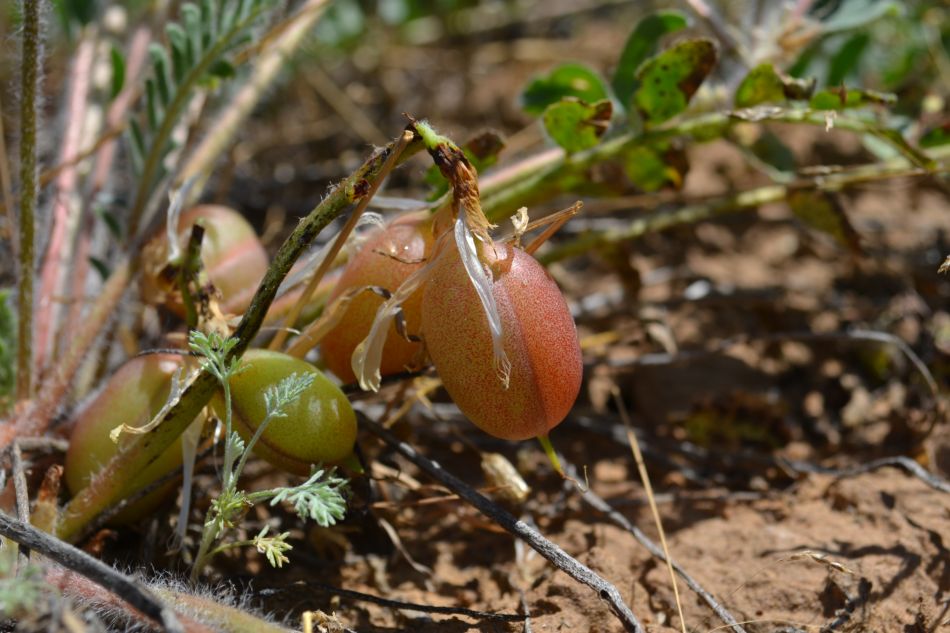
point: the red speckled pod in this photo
(385, 260)
(539, 338)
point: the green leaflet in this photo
(567, 80)
(641, 44)
(669, 80)
(577, 125)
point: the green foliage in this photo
(21, 592)
(641, 44)
(195, 55)
(577, 125)
(669, 80)
(823, 212)
(652, 168)
(936, 136)
(320, 498)
(567, 80)
(764, 84)
(841, 99)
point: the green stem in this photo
(229, 480)
(555, 172)
(29, 191)
(208, 537)
(108, 486)
(250, 447)
(735, 203)
(545, 442)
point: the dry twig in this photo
(94, 569)
(561, 559)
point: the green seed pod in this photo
(385, 261)
(134, 395)
(538, 337)
(233, 258)
(319, 427)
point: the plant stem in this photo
(228, 480)
(34, 420)
(330, 255)
(539, 178)
(108, 486)
(208, 536)
(32, 47)
(722, 205)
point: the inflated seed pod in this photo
(133, 395)
(384, 261)
(233, 258)
(538, 337)
(319, 427)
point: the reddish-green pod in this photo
(233, 258)
(134, 394)
(318, 427)
(538, 337)
(384, 261)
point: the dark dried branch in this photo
(561, 559)
(22, 502)
(97, 571)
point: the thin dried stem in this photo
(554, 554)
(645, 478)
(554, 222)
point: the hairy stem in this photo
(32, 51)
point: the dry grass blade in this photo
(645, 478)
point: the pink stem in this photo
(65, 206)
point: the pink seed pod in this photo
(539, 339)
(385, 261)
